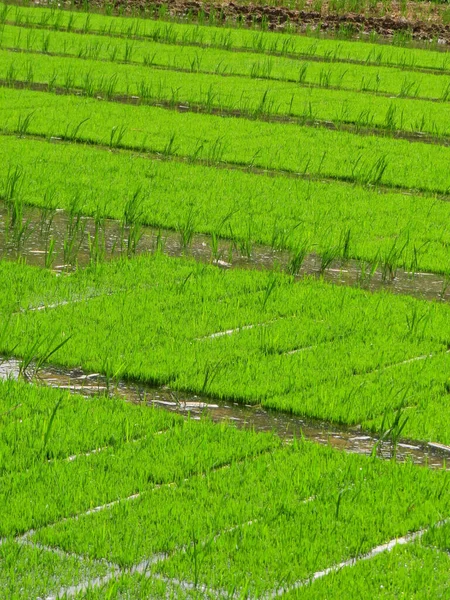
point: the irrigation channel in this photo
(56, 239)
(287, 426)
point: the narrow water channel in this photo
(287, 426)
(62, 241)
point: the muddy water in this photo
(61, 241)
(350, 439)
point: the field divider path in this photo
(67, 302)
(73, 457)
(140, 569)
(235, 49)
(347, 126)
(386, 547)
(226, 332)
(227, 74)
(404, 362)
(24, 541)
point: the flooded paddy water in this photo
(287, 426)
(56, 239)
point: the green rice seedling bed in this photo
(145, 586)
(39, 424)
(27, 572)
(409, 231)
(224, 334)
(311, 151)
(416, 572)
(132, 501)
(168, 450)
(227, 38)
(313, 506)
(355, 77)
(263, 524)
(245, 97)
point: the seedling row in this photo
(240, 96)
(342, 75)
(240, 142)
(241, 39)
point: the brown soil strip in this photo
(279, 18)
(421, 21)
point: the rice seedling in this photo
(36, 355)
(327, 257)
(23, 123)
(186, 229)
(72, 130)
(297, 259)
(49, 253)
(116, 136)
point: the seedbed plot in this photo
(34, 289)
(225, 333)
(43, 486)
(31, 572)
(357, 77)
(403, 230)
(40, 425)
(155, 504)
(215, 140)
(439, 538)
(145, 586)
(240, 96)
(224, 38)
(415, 571)
(291, 501)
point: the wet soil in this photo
(401, 22)
(286, 426)
(421, 21)
(63, 242)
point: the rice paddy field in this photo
(224, 308)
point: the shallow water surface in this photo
(63, 242)
(287, 426)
